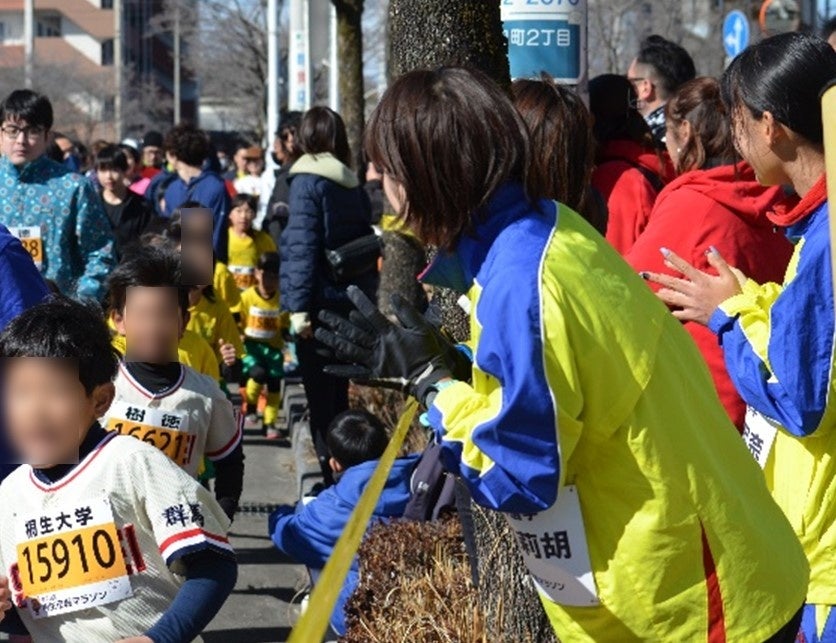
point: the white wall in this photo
(81, 40)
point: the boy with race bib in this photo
(159, 400)
(102, 537)
(264, 324)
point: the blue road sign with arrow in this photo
(735, 33)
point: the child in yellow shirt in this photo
(245, 245)
(263, 324)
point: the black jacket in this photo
(328, 208)
(130, 219)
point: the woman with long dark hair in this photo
(327, 209)
(715, 202)
(778, 340)
(588, 418)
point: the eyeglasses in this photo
(31, 132)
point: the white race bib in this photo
(166, 430)
(759, 435)
(244, 276)
(262, 323)
(70, 558)
(30, 237)
(553, 544)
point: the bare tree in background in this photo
(79, 97)
(616, 27)
(145, 105)
(226, 49)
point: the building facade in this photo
(75, 64)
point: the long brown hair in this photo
(450, 137)
(560, 129)
(699, 103)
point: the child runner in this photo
(95, 526)
(129, 213)
(158, 399)
(245, 244)
(356, 441)
(264, 324)
(223, 280)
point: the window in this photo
(107, 4)
(2, 32)
(107, 52)
(109, 108)
(48, 26)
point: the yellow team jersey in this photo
(226, 288)
(244, 253)
(261, 319)
(213, 322)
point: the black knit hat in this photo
(152, 138)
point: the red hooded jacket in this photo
(726, 208)
(628, 190)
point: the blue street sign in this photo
(546, 35)
(735, 33)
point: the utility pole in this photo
(117, 66)
(272, 70)
(29, 41)
(333, 63)
(176, 62)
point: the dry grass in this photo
(388, 406)
(415, 586)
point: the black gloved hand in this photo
(408, 357)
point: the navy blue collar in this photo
(457, 270)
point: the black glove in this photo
(408, 357)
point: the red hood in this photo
(734, 188)
(792, 212)
(636, 154)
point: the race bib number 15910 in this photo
(71, 559)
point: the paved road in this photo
(265, 603)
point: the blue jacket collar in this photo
(7, 167)
(457, 270)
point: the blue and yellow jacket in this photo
(778, 342)
(78, 247)
(584, 386)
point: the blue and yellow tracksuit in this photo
(778, 342)
(587, 394)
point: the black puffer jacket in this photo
(328, 208)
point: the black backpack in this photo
(433, 489)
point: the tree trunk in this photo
(352, 92)
(429, 34)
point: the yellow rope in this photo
(314, 622)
